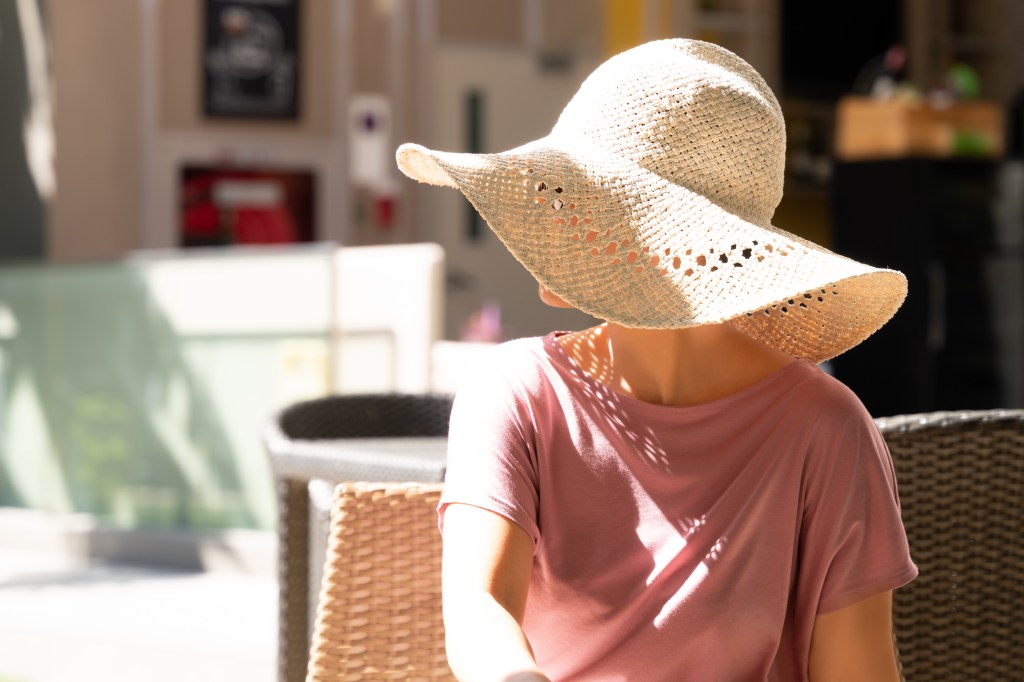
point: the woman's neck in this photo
(681, 367)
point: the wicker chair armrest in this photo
(379, 611)
(361, 459)
(905, 423)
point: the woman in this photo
(678, 493)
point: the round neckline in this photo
(566, 360)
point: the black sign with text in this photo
(251, 58)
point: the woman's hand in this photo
(854, 644)
(485, 579)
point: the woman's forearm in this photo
(485, 643)
(485, 579)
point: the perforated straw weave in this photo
(650, 203)
(379, 611)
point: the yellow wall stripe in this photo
(623, 25)
(627, 25)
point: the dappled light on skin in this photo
(593, 362)
(682, 562)
(590, 351)
(673, 367)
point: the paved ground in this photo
(61, 622)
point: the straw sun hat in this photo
(650, 203)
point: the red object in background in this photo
(224, 205)
(264, 226)
(201, 220)
(383, 211)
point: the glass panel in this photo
(136, 391)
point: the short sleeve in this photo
(853, 543)
(491, 451)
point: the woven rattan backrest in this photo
(961, 482)
(379, 612)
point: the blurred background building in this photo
(115, 139)
(176, 174)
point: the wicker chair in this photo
(379, 611)
(312, 448)
(961, 480)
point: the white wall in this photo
(521, 103)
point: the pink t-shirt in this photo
(678, 543)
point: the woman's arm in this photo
(854, 644)
(485, 579)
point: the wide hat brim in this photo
(628, 246)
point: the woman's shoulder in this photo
(517, 363)
(816, 381)
(517, 354)
(825, 397)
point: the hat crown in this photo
(694, 114)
